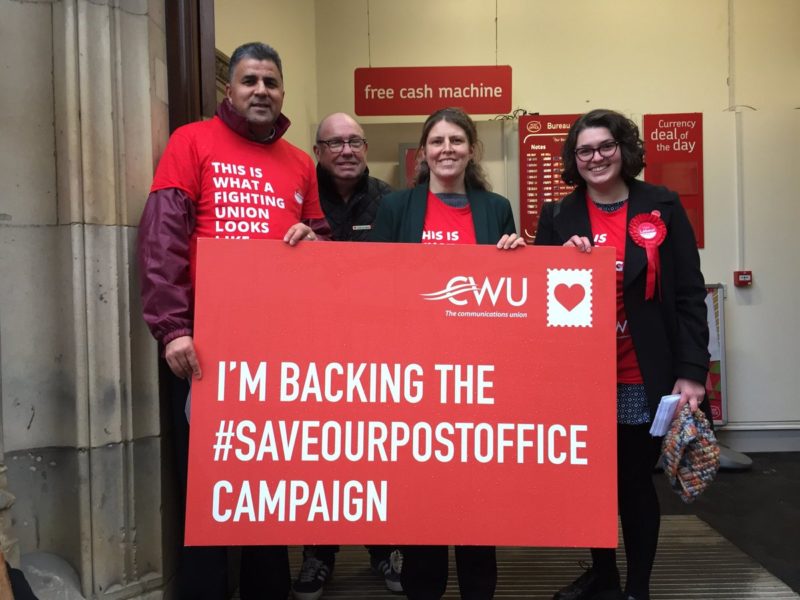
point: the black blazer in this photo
(401, 216)
(670, 332)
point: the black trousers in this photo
(639, 511)
(424, 574)
(20, 588)
(203, 571)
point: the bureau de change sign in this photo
(403, 394)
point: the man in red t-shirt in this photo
(233, 176)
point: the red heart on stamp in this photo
(569, 296)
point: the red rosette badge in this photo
(648, 231)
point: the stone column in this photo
(87, 118)
(8, 545)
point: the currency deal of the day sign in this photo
(403, 394)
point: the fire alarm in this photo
(742, 278)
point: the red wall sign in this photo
(409, 162)
(541, 138)
(404, 394)
(423, 90)
(715, 382)
(674, 154)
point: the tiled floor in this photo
(694, 562)
(740, 540)
(758, 510)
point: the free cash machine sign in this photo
(403, 394)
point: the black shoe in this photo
(389, 568)
(314, 574)
(592, 586)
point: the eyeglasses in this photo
(606, 149)
(337, 145)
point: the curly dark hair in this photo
(474, 177)
(625, 132)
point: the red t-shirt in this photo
(447, 224)
(241, 189)
(609, 229)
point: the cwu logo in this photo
(461, 289)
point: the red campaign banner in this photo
(673, 145)
(383, 91)
(541, 138)
(403, 394)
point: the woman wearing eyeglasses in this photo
(451, 204)
(662, 332)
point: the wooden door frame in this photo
(190, 60)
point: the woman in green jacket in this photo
(450, 204)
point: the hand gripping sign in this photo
(403, 394)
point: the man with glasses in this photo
(349, 197)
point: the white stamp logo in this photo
(569, 297)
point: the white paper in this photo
(663, 418)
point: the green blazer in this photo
(401, 216)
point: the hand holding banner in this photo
(403, 394)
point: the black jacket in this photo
(670, 332)
(351, 221)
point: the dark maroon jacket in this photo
(163, 246)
